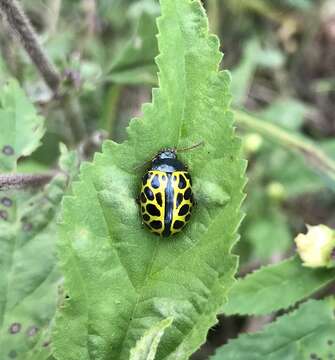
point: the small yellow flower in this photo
(316, 247)
(276, 191)
(252, 143)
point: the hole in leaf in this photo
(7, 150)
(3, 215)
(15, 328)
(27, 226)
(5, 201)
(32, 330)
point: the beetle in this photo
(166, 198)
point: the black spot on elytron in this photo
(180, 198)
(159, 199)
(145, 178)
(32, 330)
(7, 150)
(155, 182)
(178, 224)
(12, 354)
(5, 201)
(15, 328)
(189, 178)
(192, 199)
(143, 209)
(149, 193)
(143, 198)
(182, 182)
(153, 210)
(156, 224)
(188, 217)
(188, 194)
(146, 217)
(183, 210)
(3, 215)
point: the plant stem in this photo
(319, 161)
(74, 118)
(53, 15)
(214, 16)
(15, 181)
(25, 33)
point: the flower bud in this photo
(276, 191)
(252, 143)
(317, 246)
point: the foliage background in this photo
(282, 58)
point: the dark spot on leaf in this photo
(67, 296)
(15, 328)
(27, 226)
(46, 343)
(153, 210)
(313, 356)
(143, 198)
(188, 194)
(330, 342)
(32, 330)
(146, 217)
(7, 150)
(156, 224)
(12, 354)
(159, 199)
(179, 199)
(183, 210)
(155, 182)
(3, 215)
(149, 193)
(178, 224)
(188, 217)
(330, 356)
(182, 182)
(5, 201)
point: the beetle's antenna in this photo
(201, 143)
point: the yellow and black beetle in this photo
(166, 197)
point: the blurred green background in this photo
(281, 54)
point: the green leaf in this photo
(146, 348)
(254, 56)
(286, 112)
(307, 333)
(120, 279)
(257, 293)
(135, 64)
(29, 277)
(21, 127)
(29, 274)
